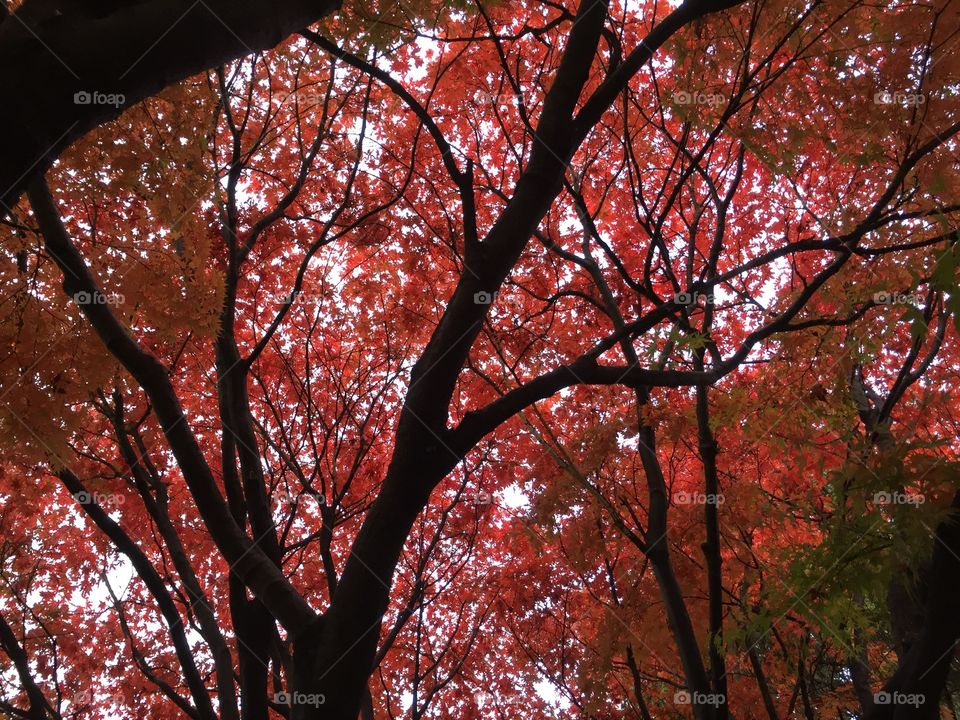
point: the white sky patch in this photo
(513, 497)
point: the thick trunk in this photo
(334, 657)
(253, 627)
(915, 689)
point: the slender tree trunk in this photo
(658, 551)
(768, 704)
(711, 549)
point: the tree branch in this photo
(56, 52)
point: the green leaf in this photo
(944, 273)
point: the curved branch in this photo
(246, 559)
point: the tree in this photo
(370, 376)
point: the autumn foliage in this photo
(497, 360)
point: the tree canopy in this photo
(480, 360)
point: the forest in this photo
(479, 360)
